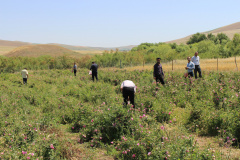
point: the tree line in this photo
(208, 46)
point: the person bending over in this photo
(128, 89)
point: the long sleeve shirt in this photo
(128, 83)
(157, 70)
(94, 68)
(190, 66)
(196, 60)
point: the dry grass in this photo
(224, 64)
(203, 142)
(40, 50)
(76, 151)
(90, 52)
(213, 143)
(5, 49)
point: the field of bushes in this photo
(56, 112)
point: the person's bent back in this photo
(128, 89)
(24, 75)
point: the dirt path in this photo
(213, 143)
(76, 151)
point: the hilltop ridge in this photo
(39, 50)
(229, 30)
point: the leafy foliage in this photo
(159, 127)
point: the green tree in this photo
(234, 45)
(211, 37)
(223, 38)
(236, 39)
(198, 37)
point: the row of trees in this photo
(209, 46)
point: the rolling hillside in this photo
(41, 49)
(9, 46)
(13, 43)
(229, 30)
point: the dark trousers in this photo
(75, 72)
(197, 69)
(190, 74)
(128, 92)
(94, 75)
(24, 80)
(160, 78)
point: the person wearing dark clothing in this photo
(158, 74)
(75, 69)
(94, 68)
(128, 89)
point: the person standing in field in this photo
(128, 88)
(94, 69)
(196, 61)
(24, 75)
(74, 69)
(190, 67)
(158, 74)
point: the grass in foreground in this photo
(59, 116)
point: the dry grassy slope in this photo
(13, 43)
(39, 50)
(229, 30)
(85, 48)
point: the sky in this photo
(111, 23)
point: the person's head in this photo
(189, 59)
(74, 63)
(158, 60)
(93, 62)
(196, 53)
(25, 68)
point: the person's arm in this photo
(27, 74)
(91, 67)
(154, 76)
(162, 71)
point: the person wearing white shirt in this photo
(128, 89)
(196, 61)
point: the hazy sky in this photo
(111, 23)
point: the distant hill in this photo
(13, 43)
(10, 45)
(41, 49)
(85, 48)
(229, 30)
